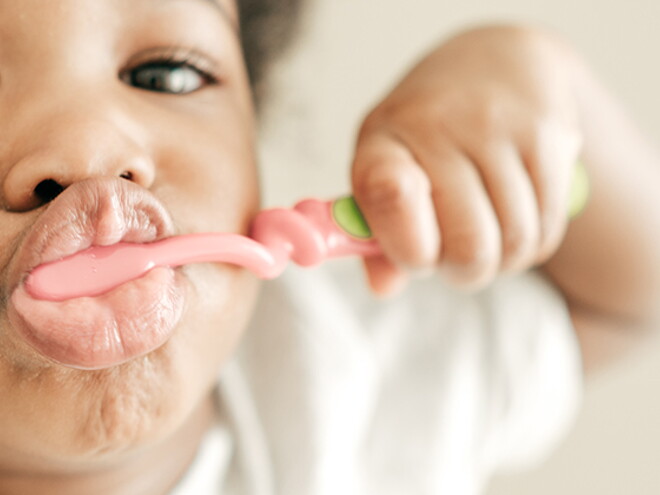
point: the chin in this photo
(137, 403)
(100, 414)
(73, 416)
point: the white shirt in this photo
(335, 392)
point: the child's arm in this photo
(467, 165)
(608, 264)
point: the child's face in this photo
(140, 110)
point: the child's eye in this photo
(167, 76)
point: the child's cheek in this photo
(216, 189)
(12, 225)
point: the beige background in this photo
(351, 51)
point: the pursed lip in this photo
(99, 211)
(104, 331)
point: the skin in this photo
(132, 428)
(464, 167)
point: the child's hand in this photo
(466, 165)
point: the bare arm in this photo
(608, 265)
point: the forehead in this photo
(24, 11)
(31, 22)
(67, 38)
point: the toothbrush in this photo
(309, 233)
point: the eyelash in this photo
(175, 59)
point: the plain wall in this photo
(351, 51)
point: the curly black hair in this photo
(267, 27)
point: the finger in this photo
(385, 278)
(471, 240)
(513, 198)
(550, 160)
(393, 193)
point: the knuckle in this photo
(559, 128)
(490, 114)
(414, 259)
(423, 110)
(381, 189)
(421, 256)
(473, 254)
(552, 233)
(371, 124)
(487, 117)
(518, 245)
(388, 114)
(387, 188)
(553, 143)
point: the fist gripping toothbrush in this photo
(309, 233)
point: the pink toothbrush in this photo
(310, 233)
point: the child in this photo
(133, 121)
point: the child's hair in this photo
(267, 27)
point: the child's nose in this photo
(71, 150)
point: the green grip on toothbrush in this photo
(349, 218)
(580, 189)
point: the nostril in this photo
(47, 190)
(128, 175)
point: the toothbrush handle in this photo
(313, 231)
(344, 229)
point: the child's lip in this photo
(99, 211)
(127, 322)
